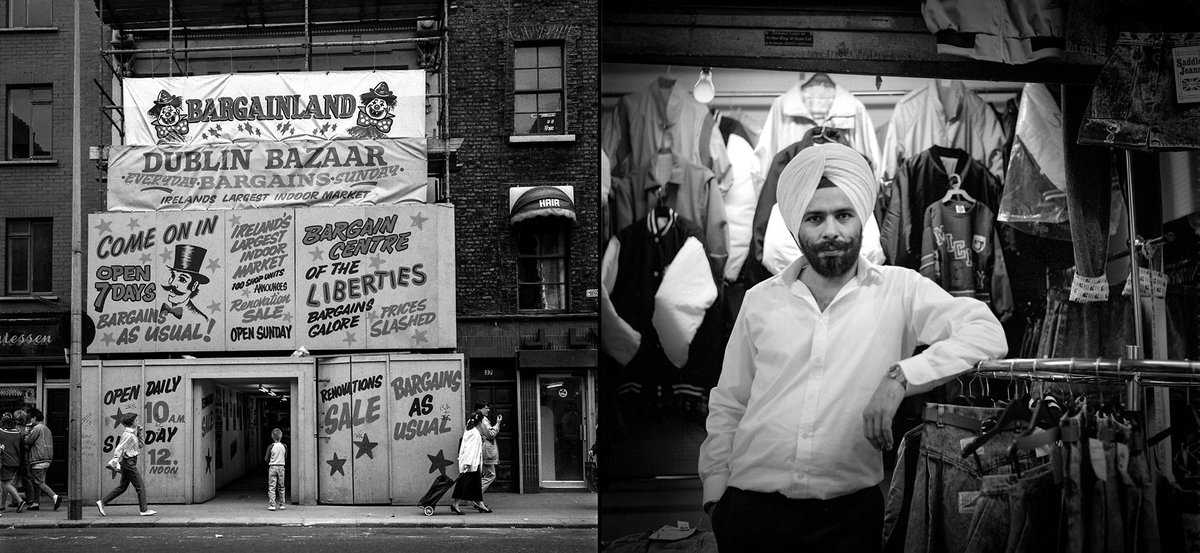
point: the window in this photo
(29, 122)
(29, 13)
(542, 269)
(538, 87)
(29, 254)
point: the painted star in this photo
(165, 256)
(376, 261)
(207, 461)
(349, 338)
(214, 264)
(438, 463)
(104, 226)
(107, 339)
(246, 292)
(218, 127)
(371, 316)
(287, 317)
(133, 223)
(419, 337)
(418, 220)
(337, 465)
(317, 254)
(365, 447)
(214, 307)
(235, 220)
(146, 258)
(117, 417)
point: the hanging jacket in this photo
(960, 250)
(662, 118)
(790, 118)
(921, 181)
(963, 120)
(1004, 31)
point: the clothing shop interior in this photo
(1033, 185)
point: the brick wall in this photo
(481, 106)
(44, 190)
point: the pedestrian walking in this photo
(126, 454)
(10, 457)
(40, 443)
(22, 481)
(491, 454)
(276, 472)
(470, 458)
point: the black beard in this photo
(831, 267)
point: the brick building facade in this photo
(36, 73)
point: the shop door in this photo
(561, 430)
(58, 420)
(500, 395)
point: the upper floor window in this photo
(538, 90)
(542, 268)
(29, 122)
(29, 256)
(29, 13)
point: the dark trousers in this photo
(755, 521)
(129, 475)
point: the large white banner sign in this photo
(275, 107)
(267, 174)
(336, 278)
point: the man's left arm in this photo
(960, 332)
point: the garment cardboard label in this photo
(968, 502)
(1187, 73)
(960, 209)
(1042, 451)
(1096, 455)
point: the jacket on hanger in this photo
(960, 251)
(740, 201)
(790, 118)
(1005, 31)
(634, 265)
(953, 118)
(921, 181)
(662, 118)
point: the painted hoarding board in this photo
(336, 278)
(287, 106)
(267, 174)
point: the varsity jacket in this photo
(960, 251)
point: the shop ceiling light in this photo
(704, 91)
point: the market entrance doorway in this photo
(234, 421)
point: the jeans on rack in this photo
(1141, 515)
(1015, 514)
(946, 486)
(1071, 523)
(1089, 197)
(1135, 105)
(1102, 504)
(900, 492)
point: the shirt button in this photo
(656, 273)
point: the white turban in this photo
(842, 165)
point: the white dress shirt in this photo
(786, 415)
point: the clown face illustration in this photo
(169, 123)
(375, 114)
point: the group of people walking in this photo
(477, 459)
(26, 449)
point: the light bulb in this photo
(704, 91)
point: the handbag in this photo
(114, 464)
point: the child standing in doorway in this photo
(276, 455)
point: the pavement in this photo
(542, 510)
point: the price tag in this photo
(1187, 74)
(1096, 454)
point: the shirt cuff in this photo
(917, 371)
(714, 487)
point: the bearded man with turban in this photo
(816, 365)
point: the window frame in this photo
(10, 115)
(561, 90)
(11, 14)
(562, 252)
(31, 237)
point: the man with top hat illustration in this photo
(375, 113)
(169, 122)
(182, 286)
